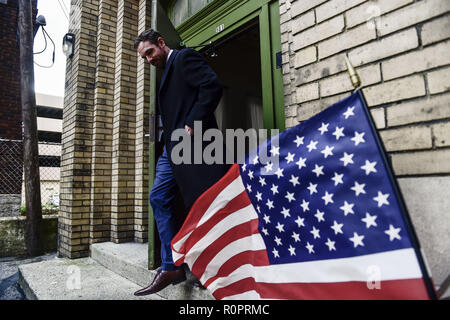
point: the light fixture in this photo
(68, 46)
(40, 22)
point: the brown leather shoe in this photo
(162, 279)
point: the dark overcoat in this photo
(190, 91)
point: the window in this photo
(184, 9)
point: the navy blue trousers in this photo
(162, 200)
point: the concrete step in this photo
(77, 279)
(129, 260)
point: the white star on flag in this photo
(312, 145)
(298, 140)
(369, 167)
(349, 112)
(347, 158)
(338, 133)
(328, 151)
(393, 233)
(381, 199)
(357, 240)
(358, 138)
(323, 128)
(369, 220)
(358, 188)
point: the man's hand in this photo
(189, 130)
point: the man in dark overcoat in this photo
(189, 91)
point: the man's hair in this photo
(150, 35)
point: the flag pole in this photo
(356, 82)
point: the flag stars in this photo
(357, 240)
(264, 230)
(315, 232)
(301, 163)
(255, 160)
(358, 138)
(381, 199)
(319, 215)
(318, 170)
(275, 253)
(289, 196)
(330, 244)
(337, 178)
(295, 236)
(278, 241)
(285, 212)
(249, 188)
(280, 227)
(291, 250)
(275, 151)
(268, 166)
(266, 218)
(358, 188)
(310, 247)
(393, 233)
(274, 189)
(338, 133)
(279, 173)
(347, 208)
(250, 174)
(369, 220)
(294, 180)
(328, 151)
(312, 188)
(349, 112)
(262, 181)
(347, 158)
(328, 198)
(258, 196)
(369, 167)
(337, 227)
(298, 140)
(323, 128)
(269, 204)
(312, 145)
(300, 222)
(290, 157)
(305, 205)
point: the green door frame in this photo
(221, 17)
(214, 21)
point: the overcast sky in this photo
(51, 80)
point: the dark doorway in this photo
(238, 65)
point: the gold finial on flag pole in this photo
(354, 78)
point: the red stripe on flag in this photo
(204, 201)
(408, 289)
(240, 231)
(239, 202)
(255, 258)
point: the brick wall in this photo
(10, 99)
(401, 50)
(104, 169)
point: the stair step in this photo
(129, 260)
(78, 279)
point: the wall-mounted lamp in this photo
(68, 46)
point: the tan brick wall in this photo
(401, 50)
(76, 153)
(104, 170)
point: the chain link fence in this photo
(12, 189)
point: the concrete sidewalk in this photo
(9, 275)
(113, 272)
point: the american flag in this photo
(323, 223)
